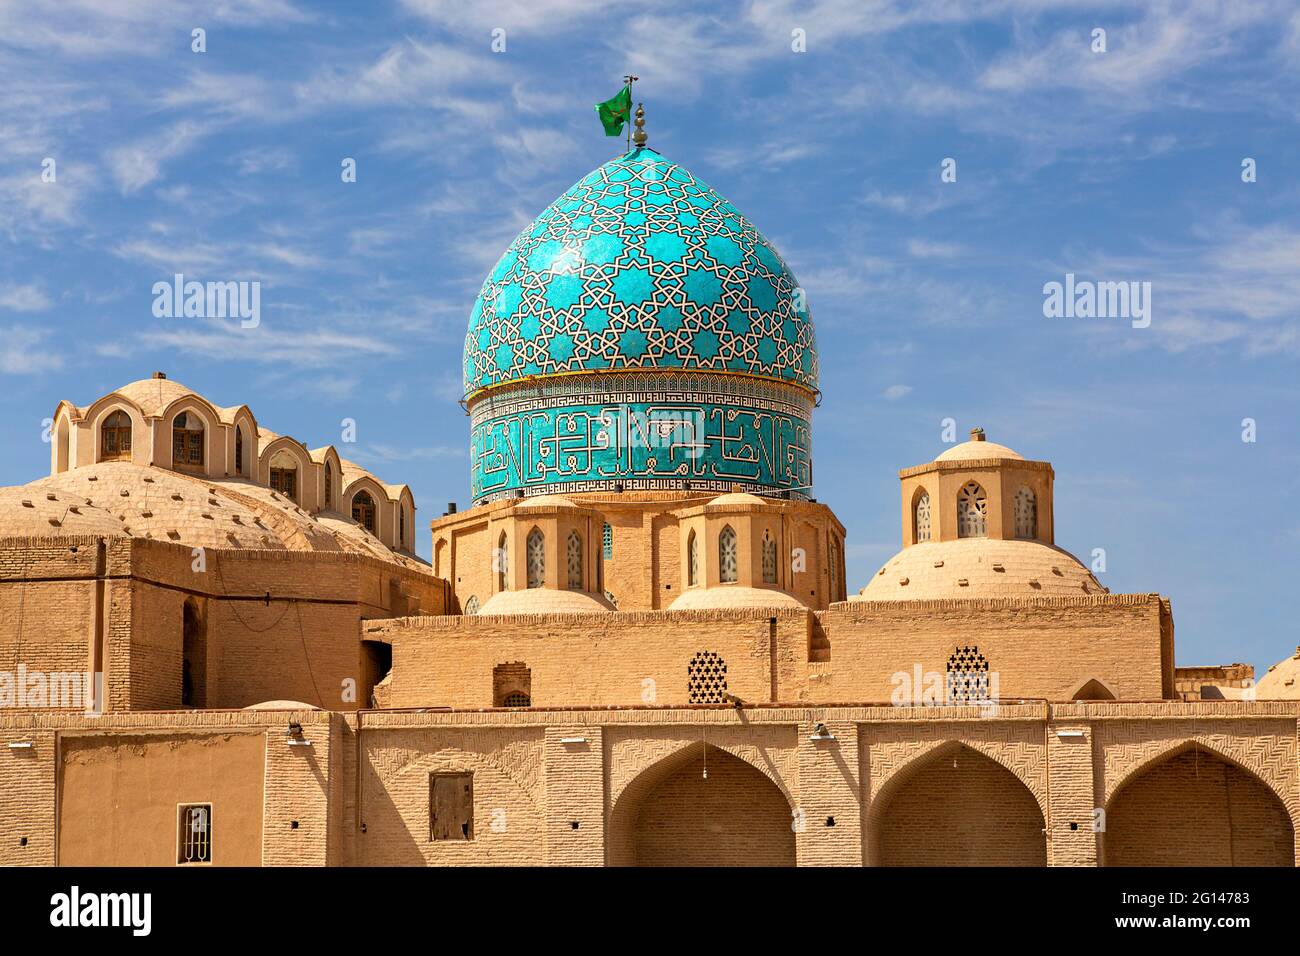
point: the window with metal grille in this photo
(515, 699)
(968, 676)
(1026, 514)
(536, 555)
(451, 806)
(329, 486)
(115, 436)
(923, 517)
(471, 606)
(194, 833)
(692, 560)
(728, 562)
(574, 555)
(607, 540)
(769, 558)
(706, 679)
(972, 511)
(239, 451)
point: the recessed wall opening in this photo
(194, 655)
(451, 806)
(512, 685)
(377, 662)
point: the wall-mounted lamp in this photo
(1069, 733)
(295, 736)
(821, 733)
(573, 740)
(20, 745)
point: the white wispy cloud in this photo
(137, 164)
(25, 297)
(27, 351)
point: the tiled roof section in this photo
(979, 568)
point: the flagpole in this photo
(629, 79)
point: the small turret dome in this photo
(978, 447)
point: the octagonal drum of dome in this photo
(640, 332)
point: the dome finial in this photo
(977, 434)
(639, 136)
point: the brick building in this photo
(637, 647)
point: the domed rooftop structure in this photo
(1282, 681)
(641, 282)
(639, 265)
(979, 448)
(979, 568)
(733, 596)
(544, 601)
(121, 498)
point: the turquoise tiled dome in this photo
(639, 266)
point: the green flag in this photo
(616, 111)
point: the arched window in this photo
(692, 560)
(728, 562)
(363, 510)
(972, 511)
(967, 677)
(115, 437)
(471, 606)
(401, 525)
(187, 441)
(501, 563)
(574, 554)
(706, 679)
(536, 555)
(239, 451)
(1026, 513)
(769, 558)
(921, 526)
(284, 474)
(515, 699)
(329, 485)
(607, 540)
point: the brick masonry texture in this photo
(632, 781)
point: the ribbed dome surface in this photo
(639, 265)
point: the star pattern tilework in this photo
(640, 266)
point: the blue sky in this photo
(1116, 166)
